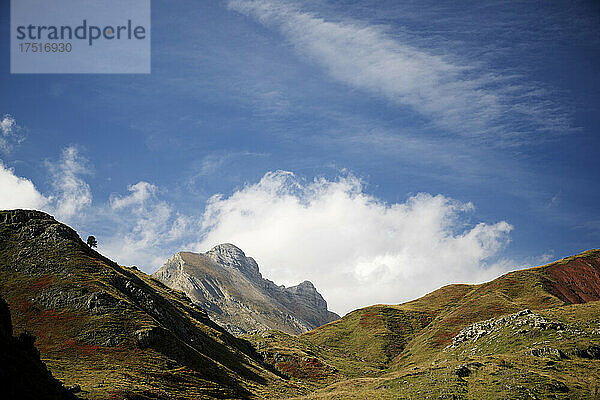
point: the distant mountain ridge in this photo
(229, 286)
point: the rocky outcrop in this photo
(229, 286)
(148, 336)
(521, 322)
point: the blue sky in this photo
(430, 142)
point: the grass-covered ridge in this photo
(404, 351)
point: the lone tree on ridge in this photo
(92, 242)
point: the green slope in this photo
(401, 351)
(409, 332)
(571, 280)
(513, 360)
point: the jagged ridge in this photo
(229, 285)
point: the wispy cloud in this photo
(71, 191)
(146, 231)
(213, 162)
(139, 194)
(8, 125)
(457, 95)
(221, 164)
(10, 133)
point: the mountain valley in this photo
(107, 331)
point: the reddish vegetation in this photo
(50, 314)
(48, 325)
(577, 281)
(116, 394)
(307, 368)
(369, 319)
(42, 282)
(24, 306)
(59, 317)
(81, 347)
(425, 319)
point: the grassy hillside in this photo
(409, 332)
(571, 280)
(514, 359)
(404, 351)
(115, 331)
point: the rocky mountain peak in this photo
(229, 255)
(228, 251)
(306, 286)
(229, 286)
(309, 294)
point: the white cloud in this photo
(146, 230)
(135, 228)
(355, 248)
(17, 192)
(141, 192)
(8, 125)
(457, 95)
(71, 192)
(10, 133)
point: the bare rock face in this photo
(229, 286)
(229, 255)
